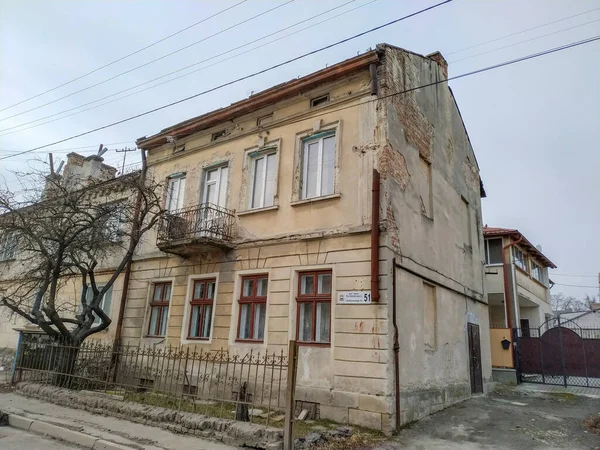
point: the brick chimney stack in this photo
(438, 58)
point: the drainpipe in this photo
(375, 237)
(396, 347)
(136, 215)
(506, 300)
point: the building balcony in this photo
(195, 229)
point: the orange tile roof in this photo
(516, 234)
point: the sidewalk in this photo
(129, 434)
(555, 389)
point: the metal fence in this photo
(558, 352)
(252, 387)
(196, 222)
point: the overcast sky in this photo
(534, 126)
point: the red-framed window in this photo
(159, 309)
(253, 308)
(313, 325)
(201, 309)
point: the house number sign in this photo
(354, 297)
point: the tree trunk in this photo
(64, 365)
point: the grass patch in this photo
(563, 395)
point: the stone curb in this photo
(64, 434)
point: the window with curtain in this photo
(159, 309)
(520, 258)
(318, 165)
(314, 307)
(201, 309)
(253, 308)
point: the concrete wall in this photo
(431, 203)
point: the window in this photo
(314, 307)
(175, 192)
(159, 309)
(429, 317)
(538, 272)
(493, 251)
(425, 188)
(264, 120)
(104, 303)
(8, 245)
(253, 307)
(218, 134)
(520, 258)
(263, 180)
(115, 221)
(319, 100)
(318, 163)
(215, 186)
(201, 309)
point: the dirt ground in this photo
(507, 419)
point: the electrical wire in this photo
(521, 32)
(576, 285)
(61, 150)
(184, 68)
(126, 56)
(149, 62)
(313, 52)
(456, 77)
(575, 276)
(521, 42)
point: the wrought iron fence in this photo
(251, 387)
(205, 221)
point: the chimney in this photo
(92, 168)
(539, 247)
(438, 58)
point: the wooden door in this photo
(475, 359)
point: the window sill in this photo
(314, 344)
(258, 210)
(494, 265)
(202, 339)
(315, 199)
(249, 341)
(154, 337)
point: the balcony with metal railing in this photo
(197, 228)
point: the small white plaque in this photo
(354, 297)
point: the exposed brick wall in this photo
(392, 164)
(471, 174)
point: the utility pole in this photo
(125, 151)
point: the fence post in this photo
(288, 429)
(16, 362)
(562, 352)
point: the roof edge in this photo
(516, 234)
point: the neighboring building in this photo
(588, 320)
(518, 291)
(294, 213)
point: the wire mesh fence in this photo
(250, 387)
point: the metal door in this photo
(475, 359)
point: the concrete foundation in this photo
(504, 376)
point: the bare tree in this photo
(565, 304)
(58, 234)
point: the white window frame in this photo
(8, 246)
(180, 181)
(187, 309)
(332, 133)
(487, 251)
(517, 261)
(206, 183)
(102, 302)
(254, 158)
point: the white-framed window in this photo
(175, 191)
(493, 251)
(520, 258)
(538, 272)
(215, 185)
(104, 303)
(262, 182)
(318, 165)
(8, 245)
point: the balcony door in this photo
(175, 194)
(215, 186)
(214, 197)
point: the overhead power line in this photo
(575, 276)
(126, 56)
(521, 32)
(464, 75)
(576, 285)
(521, 42)
(150, 62)
(313, 52)
(185, 68)
(59, 150)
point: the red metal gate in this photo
(560, 353)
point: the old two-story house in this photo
(336, 210)
(518, 290)
(341, 210)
